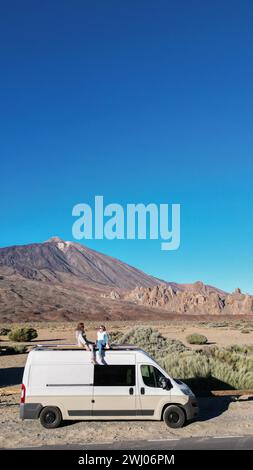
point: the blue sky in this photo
(138, 101)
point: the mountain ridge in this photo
(50, 259)
(64, 280)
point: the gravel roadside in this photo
(218, 417)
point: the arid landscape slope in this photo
(61, 280)
(55, 259)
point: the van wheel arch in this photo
(174, 404)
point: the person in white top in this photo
(102, 340)
(83, 342)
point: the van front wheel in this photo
(174, 416)
(50, 417)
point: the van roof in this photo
(74, 347)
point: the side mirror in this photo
(165, 383)
(168, 384)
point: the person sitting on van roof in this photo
(102, 340)
(83, 342)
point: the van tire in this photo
(174, 416)
(50, 417)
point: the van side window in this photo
(114, 375)
(151, 376)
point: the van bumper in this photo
(191, 408)
(30, 410)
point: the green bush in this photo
(204, 369)
(240, 349)
(210, 368)
(151, 340)
(4, 331)
(186, 364)
(20, 348)
(196, 338)
(23, 334)
(115, 336)
(218, 324)
(245, 331)
(17, 349)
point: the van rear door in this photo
(69, 386)
(114, 392)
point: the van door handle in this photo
(142, 391)
(131, 391)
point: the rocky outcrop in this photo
(197, 299)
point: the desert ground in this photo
(218, 416)
(220, 331)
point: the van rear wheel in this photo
(174, 416)
(50, 417)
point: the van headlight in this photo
(184, 387)
(187, 391)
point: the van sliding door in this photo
(114, 391)
(78, 392)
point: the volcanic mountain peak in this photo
(54, 239)
(61, 244)
(55, 259)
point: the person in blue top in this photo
(102, 340)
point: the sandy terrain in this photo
(218, 417)
(220, 336)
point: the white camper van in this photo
(61, 383)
